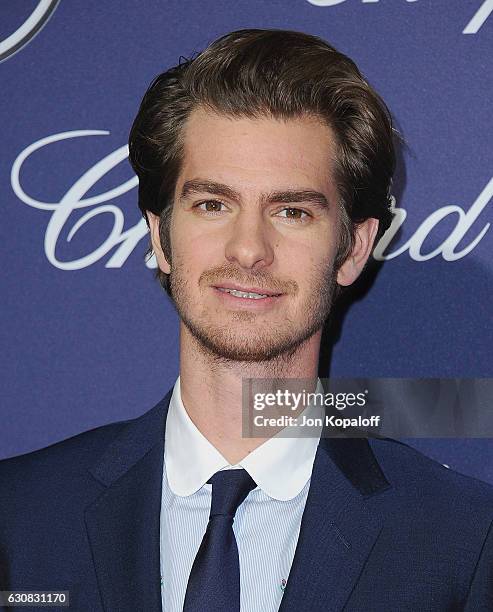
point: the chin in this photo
(253, 345)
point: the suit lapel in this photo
(337, 533)
(123, 524)
(338, 530)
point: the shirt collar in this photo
(281, 466)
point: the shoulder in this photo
(71, 462)
(62, 462)
(434, 530)
(426, 483)
(49, 488)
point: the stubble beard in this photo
(245, 337)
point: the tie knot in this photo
(229, 490)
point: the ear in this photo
(156, 242)
(363, 243)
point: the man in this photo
(264, 169)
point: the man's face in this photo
(254, 233)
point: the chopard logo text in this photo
(472, 27)
(65, 216)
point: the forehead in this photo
(258, 153)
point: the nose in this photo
(248, 245)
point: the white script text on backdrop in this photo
(472, 27)
(126, 240)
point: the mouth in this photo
(234, 296)
(249, 293)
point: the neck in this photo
(211, 389)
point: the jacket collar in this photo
(123, 524)
(341, 524)
(135, 439)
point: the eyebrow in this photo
(288, 196)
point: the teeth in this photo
(243, 294)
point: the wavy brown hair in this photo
(282, 74)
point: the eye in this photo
(210, 206)
(294, 214)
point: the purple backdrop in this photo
(89, 337)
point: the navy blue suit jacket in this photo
(385, 529)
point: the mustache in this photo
(259, 279)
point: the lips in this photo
(250, 295)
(254, 291)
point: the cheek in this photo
(191, 236)
(308, 260)
(196, 252)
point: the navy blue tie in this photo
(214, 582)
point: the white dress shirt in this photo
(266, 524)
